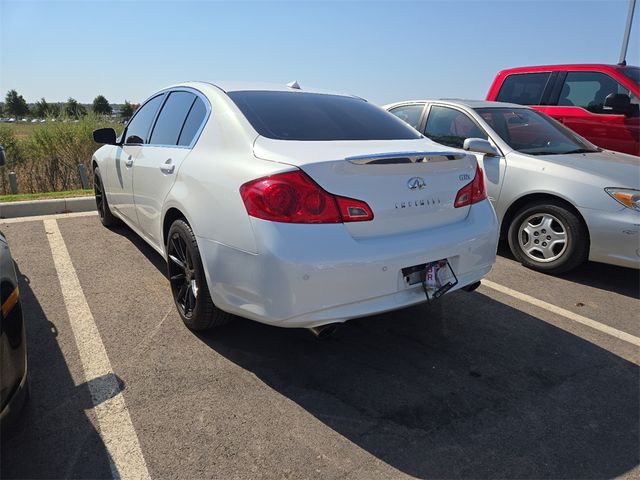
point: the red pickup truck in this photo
(600, 102)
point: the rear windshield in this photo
(313, 116)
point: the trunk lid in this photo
(410, 185)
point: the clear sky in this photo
(382, 51)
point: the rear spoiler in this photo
(405, 157)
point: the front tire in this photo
(548, 237)
(188, 282)
(102, 205)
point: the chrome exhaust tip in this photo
(324, 332)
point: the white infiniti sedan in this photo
(293, 208)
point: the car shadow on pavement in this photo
(53, 437)
(611, 278)
(477, 390)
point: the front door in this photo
(121, 182)
(136, 135)
(451, 127)
(580, 107)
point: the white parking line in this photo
(116, 428)
(614, 332)
(48, 217)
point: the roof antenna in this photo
(627, 31)
(293, 84)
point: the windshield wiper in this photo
(579, 150)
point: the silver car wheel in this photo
(542, 237)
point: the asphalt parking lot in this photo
(530, 376)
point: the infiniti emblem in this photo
(416, 183)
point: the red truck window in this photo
(524, 89)
(589, 90)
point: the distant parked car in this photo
(561, 199)
(600, 102)
(293, 208)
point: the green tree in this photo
(41, 109)
(127, 110)
(15, 104)
(73, 109)
(101, 106)
(54, 109)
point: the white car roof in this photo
(234, 86)
(459, 102)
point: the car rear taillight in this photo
(472, 192)
(293, 197)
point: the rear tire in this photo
(548, 237)
(188, 282)
(102, 205)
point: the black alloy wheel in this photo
(188, 282)
(102, 205)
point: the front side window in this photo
(524, 88)
(589, 91)
(409, 114)
(171, 119)
(451, 127)
(528, 131)
(138, 128)
(312, 116)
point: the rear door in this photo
(119, 184)
(172, 137)
(451, 127)
(580, 106)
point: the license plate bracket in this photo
(438, 278)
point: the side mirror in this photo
(480, 145)
(619, 103)
(3, 160)
(105, 135)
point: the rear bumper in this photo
(311, 275)
(615, 236)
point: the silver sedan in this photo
(561, 200)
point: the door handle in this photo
(167, 167)
(129, 161)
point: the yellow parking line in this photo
(601, 327)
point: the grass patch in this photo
(47, 195)
(23, 130)
(45, 156)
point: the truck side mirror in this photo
(619, 103)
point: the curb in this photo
(32, 208)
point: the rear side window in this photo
(525, 89)
(139, 126)
(312, 116)
(193, 123)
(171, 119)
(451, 127)
(409, 113)
(589, 90)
